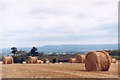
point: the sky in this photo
(27, 23)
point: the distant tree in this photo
(17, 57)
(33, 51)
(40, 54)
(22, 52)
(114, 52)
(28, 54)
(54, 54)
(55, 60)
(22, 55)
(14, 50)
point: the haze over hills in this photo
(65, 48)
(78, 47)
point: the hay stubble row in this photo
(65, 70)
(101, 61)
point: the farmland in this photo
(58, 70)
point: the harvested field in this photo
(64, 70)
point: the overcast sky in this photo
(27, 23)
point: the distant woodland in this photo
(34, 52)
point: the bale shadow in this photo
(86, 71)
(92, 71)
(81, 70)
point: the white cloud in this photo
(38, 21)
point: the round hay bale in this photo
(113, 60)
(24, 62)
(45, 60)
(7, 60)
(60, 62)
(97, 61)
(38, 61)
(80, 58)
(32, 60)
(41, 62)
(72, 60)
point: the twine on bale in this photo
(97, 61)
(32, 60)
(80, 58)
(72, 60)
(7, 60)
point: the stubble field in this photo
(63, 70)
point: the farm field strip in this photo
(64, 70)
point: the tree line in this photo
(22, 55)
(34, 52)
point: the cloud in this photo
(58, 22)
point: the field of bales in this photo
(57, 70)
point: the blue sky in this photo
(27, 23)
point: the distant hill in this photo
(66, 48)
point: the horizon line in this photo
(57, 45)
